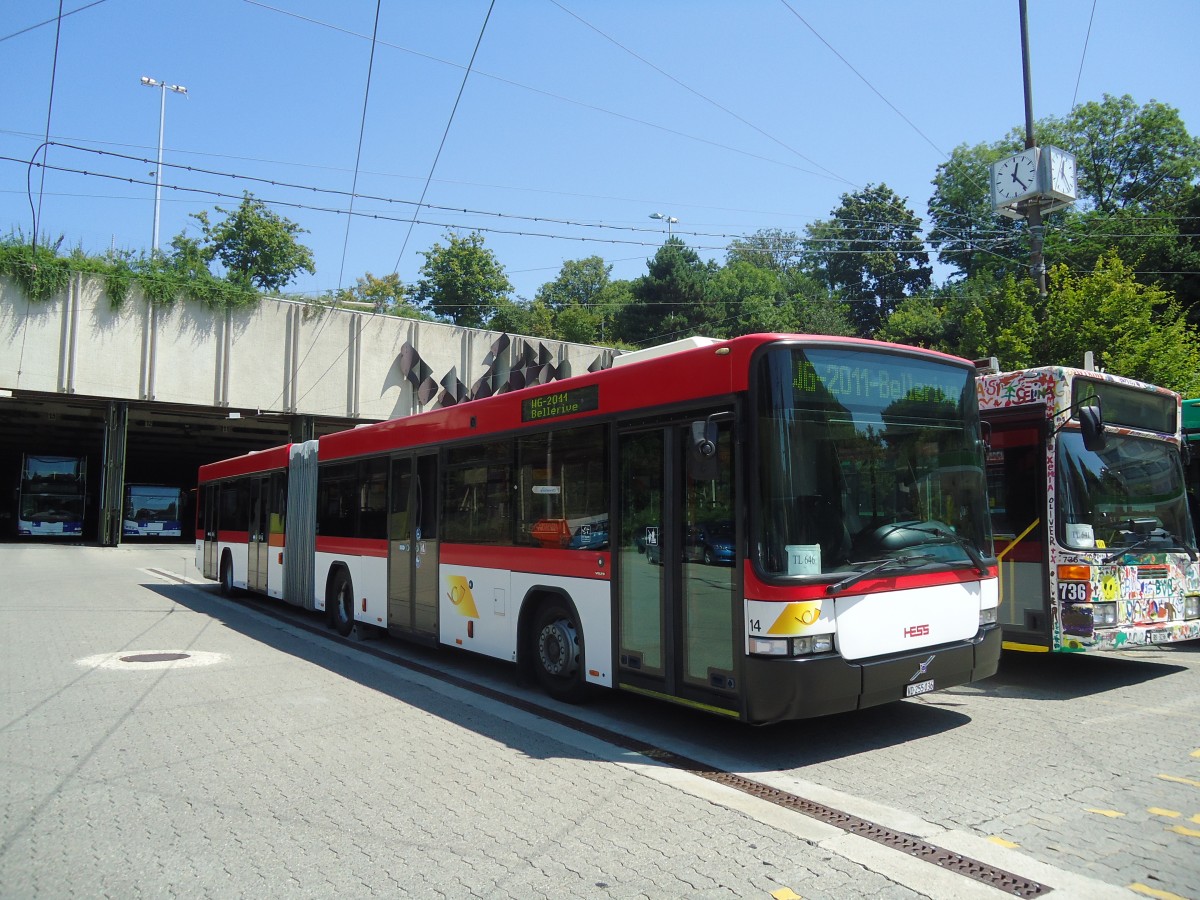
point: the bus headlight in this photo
(799, 646)
(1104, 614)
(1191, 607)
(987, 616)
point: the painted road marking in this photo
(1169, 813)
(1155, 892)
(1192, 781)
(1002, 842)
(1186, 832)
(1111, 813)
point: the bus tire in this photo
(557, 651)
(226, 575)
(341, 604)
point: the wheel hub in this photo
(558, 647)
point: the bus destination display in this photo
(824, 379)
(563, 403)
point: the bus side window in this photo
(477, 502)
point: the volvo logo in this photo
(923, 669)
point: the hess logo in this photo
(916, 631)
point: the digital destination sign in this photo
(563, 403)
(846, 377)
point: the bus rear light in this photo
(987, 616)
(1191, 607)
(1074, 573)
(1104, 614)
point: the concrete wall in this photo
(278, 356)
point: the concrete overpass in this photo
(148, 394)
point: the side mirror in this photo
(703, 462)
(1091, 423)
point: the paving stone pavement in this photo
(276, 762)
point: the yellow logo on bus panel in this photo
(797, 617)
(1110, 587)
(460, 595)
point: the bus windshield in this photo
(866, 459)
(1130, 492)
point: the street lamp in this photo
(163, 87)
(670, 220)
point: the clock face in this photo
(1062, 173)
(1015, 177)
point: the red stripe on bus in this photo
(758, 590)
(352, 546)
(233, 537)
(567, 563)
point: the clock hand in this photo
(1019, 181)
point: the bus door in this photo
(678, 561)
(413, 547)
(258, 549)
(209, 508)
(1016, 467)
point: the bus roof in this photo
(254, 461)
(698, 371)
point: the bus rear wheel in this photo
(341, 604)
(226, 575)
(557, 651)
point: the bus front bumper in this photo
(803, 688)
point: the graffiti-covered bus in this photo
(1090, 513)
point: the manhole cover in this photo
(141, 660)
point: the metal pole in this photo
(1033, 212)
(162, 112)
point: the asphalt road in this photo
(277, 761)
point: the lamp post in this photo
(163, 87)
(670, 220)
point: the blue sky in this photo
(578, 119)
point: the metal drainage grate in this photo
(154, 657)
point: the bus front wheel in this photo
(557, 652)
(341, 604)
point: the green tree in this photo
(753, 299)
(671, 301)
(769, 248)
(871, 253)
(579, 281)
(1134, 330)
(964, 231)
(1128, 156)
(386, 296)
(256, 247)
(975, 319)
(512, 317)
(462, 281)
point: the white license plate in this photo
(1158, 637)
(921, 687)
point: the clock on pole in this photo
(1015, 178)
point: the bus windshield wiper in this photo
(878, 565)
(951, 537)
(1158, 534)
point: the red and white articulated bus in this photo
(768, 528)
